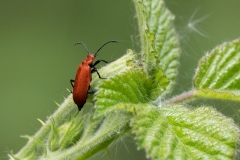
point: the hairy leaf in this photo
(219, 71)
(160, 46)
(133, 87)
(175, 132)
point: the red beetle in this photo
(81, 86)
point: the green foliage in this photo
(160, 46)
(175, 132)
(132, 87)
(218, 73)
(133, 94)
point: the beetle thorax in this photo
(89, 59)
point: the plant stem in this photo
(61, 113)
(180, 98)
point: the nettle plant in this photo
(131, 102)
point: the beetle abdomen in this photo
(81, 85)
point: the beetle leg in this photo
(72, 81)
(89, 90)
(95, 70)
(98, 61)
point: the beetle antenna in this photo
(104, 45)
(83, 45)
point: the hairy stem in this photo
(182, 97)
(61, 113)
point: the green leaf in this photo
(53, 141)
(215, 94)
(159, 40)
(175, 132)
(132, 87)
(219, 72)
(159, 84)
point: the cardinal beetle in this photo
(81, 86)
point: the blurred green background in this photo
(38, 56)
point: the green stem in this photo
(186, 96)
(63, 112)
(84, 150)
